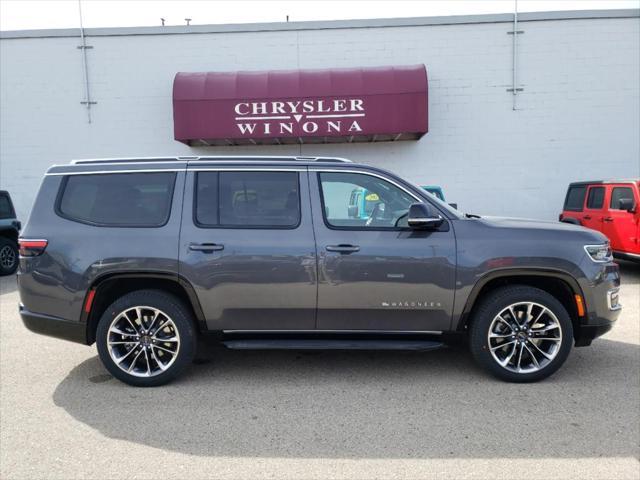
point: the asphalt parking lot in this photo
(319, 415)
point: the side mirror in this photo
(352, 211)
(454, 205)
(422, 218)
(626, 204)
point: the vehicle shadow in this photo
(370, 405)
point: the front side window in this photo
(355, 200)
(595, 200)
(620, 193)
(575, 198)
(118, 199)
(247, 199)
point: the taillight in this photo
(32, 247)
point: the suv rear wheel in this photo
(8, 256)
(146, 338)
(521, 334)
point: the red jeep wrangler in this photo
(611, 207)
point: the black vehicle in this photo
(9, 230)
(150, 257)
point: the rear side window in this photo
(247, 199)
(620, 193)
(118, 199)
(575, 198)
(6, 209)
(595, 199)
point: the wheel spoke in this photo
(497, 347)
(553, 339)
(533, 357)
(133, 362)
(506, 361)
(146, 355)
(164, 349)
(546, 355)
(500, 335)
(545, 328)
(155, 317)
(121, 359)
(123, 342)
(520, 356)
(158, 362)
(168, 339)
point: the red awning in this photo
(296, 106)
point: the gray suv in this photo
(153, 259)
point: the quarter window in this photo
(119, 199)
(248, 199)
(620, 193)
(575, 198)
(595, 200)
(353, 200)
(6, 210)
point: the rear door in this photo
(247, 247)
(621, 226)
(593, 213)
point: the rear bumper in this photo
(54, 326)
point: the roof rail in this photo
(219, 158)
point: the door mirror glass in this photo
(626, 204)
(421, 217)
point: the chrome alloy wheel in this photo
(524, 337)
(7, 257)
(143, 341)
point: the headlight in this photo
(599, 253)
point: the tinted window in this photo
(363, 201)
(575, 198)
(119, 199)
(248, 199)
(595, 198)
(6, 210)
(619, 193)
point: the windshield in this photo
(442, 205)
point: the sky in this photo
(40, 14)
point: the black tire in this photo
(496, 302)
(182, 327)
(8, 256)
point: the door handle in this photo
(607, 219)
(587, 217)
(205, 247)
(342, 248)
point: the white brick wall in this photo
(578, 117)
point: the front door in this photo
(247, 247)
(374, 273)
(621, 226)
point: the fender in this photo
(573, 221)
(173, 277)
(566, 277)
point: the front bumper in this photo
(54, 326)
(603, 309)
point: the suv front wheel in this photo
(521, 334)
(146, 338)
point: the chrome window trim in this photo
(106, 172)
(366, 172)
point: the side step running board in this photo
(309, 344)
